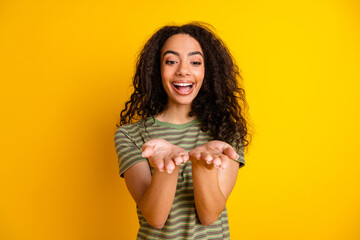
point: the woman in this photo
(182, 134)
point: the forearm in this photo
(209, 200)
(157, 201)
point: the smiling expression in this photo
(182, 69)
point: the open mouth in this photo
(183, 87)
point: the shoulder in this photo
(128, 142)
(128, 130)
(125, 134)
(136, 133)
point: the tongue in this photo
(184, 88)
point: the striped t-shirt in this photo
(182, 222)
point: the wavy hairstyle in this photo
(220, 104)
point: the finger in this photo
(230, 152)
(217, 162)
(169, 164)
(206, 157)
(147, 150)
(157, 162)
(178, 160)
(185, 158)
(224, 161)
(181, 157)
(195, 155)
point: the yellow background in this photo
(65, 71)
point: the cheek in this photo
(165, 79)
(200, 74)
(165, 73)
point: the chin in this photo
(183, 101)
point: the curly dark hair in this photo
(220, 104)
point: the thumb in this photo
(147, 150)
(230, 152)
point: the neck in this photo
(175, 114)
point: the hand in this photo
(163, 155)
(214, 152)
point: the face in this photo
(182, 69)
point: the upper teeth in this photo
(183, 84)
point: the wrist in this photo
(202, 165)
(164, 172)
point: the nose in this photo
(183, 69)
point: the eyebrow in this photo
(177, 54)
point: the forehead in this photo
(182, 43)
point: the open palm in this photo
(164, 155)
(214, 152)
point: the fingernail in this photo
(169, 171)
(177, 163)
(161, 170)
(208, 162)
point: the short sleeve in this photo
(241, 158)
(240, 151)
(128, 152)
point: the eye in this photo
(196, 63)
(170, 62)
